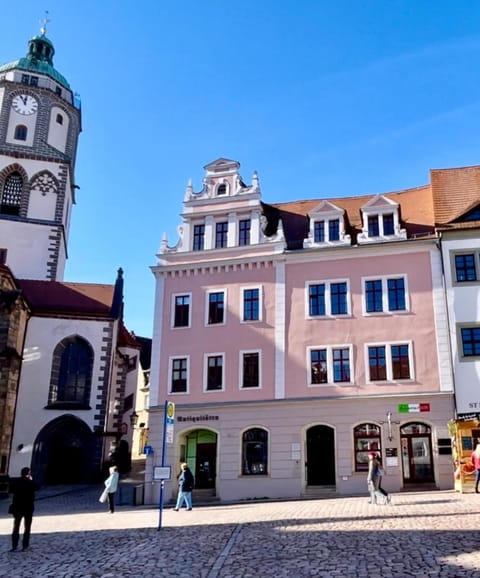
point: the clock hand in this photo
(24, 99)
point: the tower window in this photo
(25, 78)
(58, 91)
(59, 119)
(34, 81)
(20, 132)
(222, 190)
(11, 195)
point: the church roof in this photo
(72, 299)
(39, 60)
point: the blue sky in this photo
(323, 98)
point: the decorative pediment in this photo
(381, 221)
(222, 165)
(325, 209)
(379, 202)
(326, 226)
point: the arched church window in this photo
(21, 132)
(71, 377)
(59, 119)
(11, 194)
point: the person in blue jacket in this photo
(185, 487)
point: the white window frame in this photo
(379, 206)
(241, 353)
(171, 359)
(328, 301)
(330, 377)
(384, 279)
(205, 371)
(326, 212)
(242, 303)
(388, 356)
(208, 292)
(172, 314)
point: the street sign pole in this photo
(162, 482)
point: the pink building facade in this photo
(294, 338)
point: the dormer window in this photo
(381, 221)
(20, 132)
(327, 226)
(221, 190)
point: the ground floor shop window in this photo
(366, 438)
(255, 452)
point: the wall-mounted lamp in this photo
(133, 418)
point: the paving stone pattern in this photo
(421, 535)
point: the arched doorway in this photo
(320, 464)
(417, 458)
(63, 452)
(200, 452)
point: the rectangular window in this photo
(318, 366)
(373, 228)
(319, 232)
(396, 294)
(388, 224)
(316, 300)
(221, 230)
(341, 365)
(214, 372)
(198, 237)
(334, 230)
(400, 362)
(338, 298)
(58, 91)
(216, 308)
(34, 81)
(25, 78)
(374, 295)
(251, 304)
(3, 256)
(470, 341)
(181, 316)
(385, 295)
(389, 362)
(250, 369)
(179, 375)
(244, 232)
(377, 363)
(465, 269)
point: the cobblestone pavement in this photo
(421, 535)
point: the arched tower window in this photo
(71, 377)
(12, 194)
(59, 119)
(20, 132)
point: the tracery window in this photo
(12, 194)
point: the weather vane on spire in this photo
(44, 23)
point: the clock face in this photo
(24, 104)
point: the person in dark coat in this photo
(22, 506)
(185, 487)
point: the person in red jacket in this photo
(476, 464)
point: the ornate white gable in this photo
(329, 221)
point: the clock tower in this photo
(40, 122)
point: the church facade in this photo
(68, 365)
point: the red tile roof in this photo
(455, 192)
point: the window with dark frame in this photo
(20, 132)
(216, 308)
(400, 361)
(34, 81)
(255, 452)
(182, 311)
(221, 231)
(396, 294)
(179, 375)
(470, 341)
(338, 298)
(316, 300)
(214, 372)
(319, 231)
(366, 438)
(377, 363)
(341, 365)
(251, 370)
(374, 296)
(198, 237)
(318, 366)
(334, 230)
(251, 304)
(388, 224)
(244, 232)
(465, 269)
(373, 226)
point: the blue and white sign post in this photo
(163, 472)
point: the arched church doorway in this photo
(63, 452)
(320, 464)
